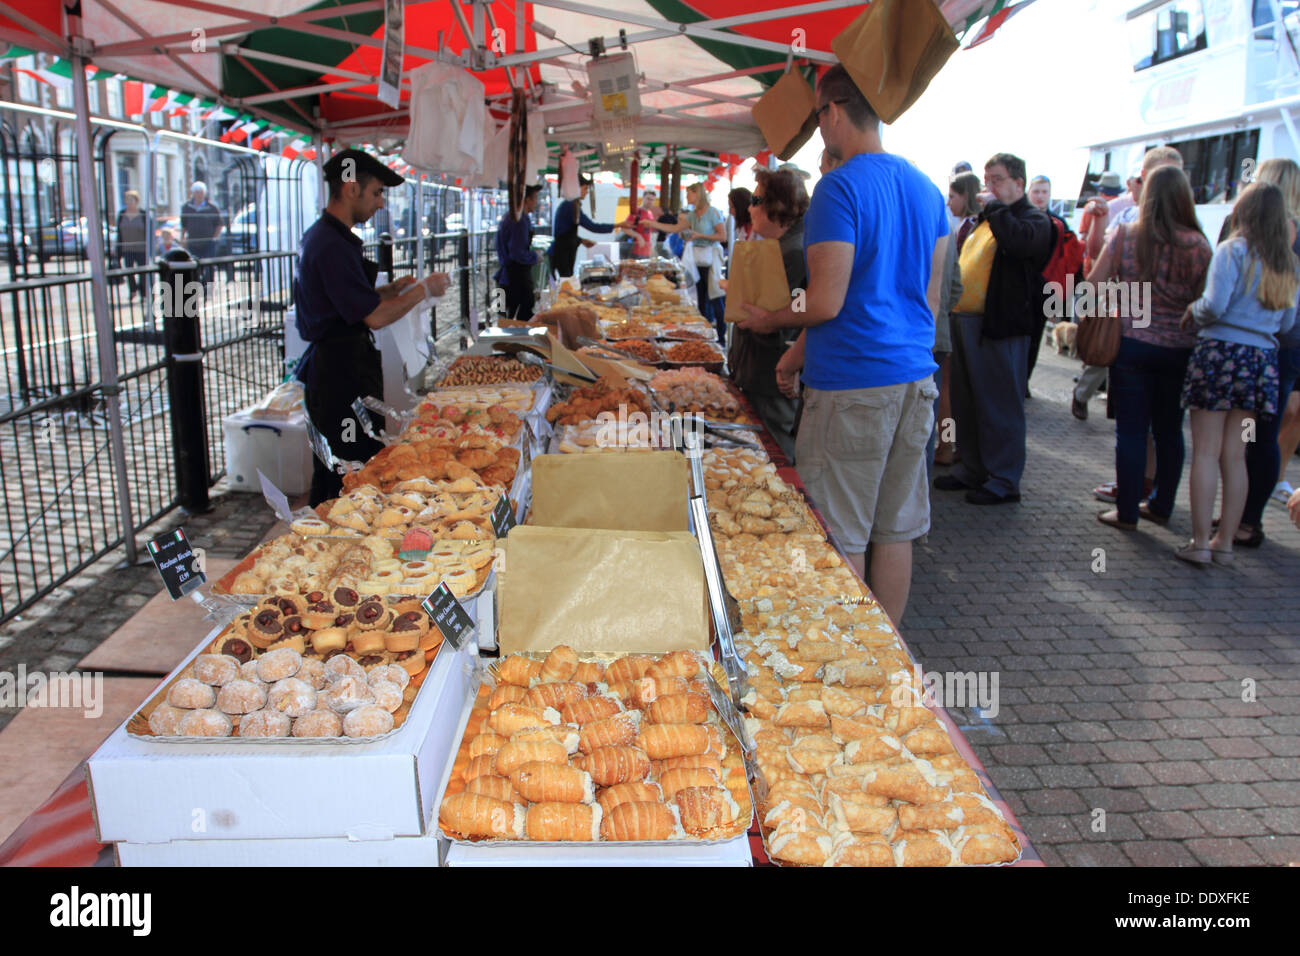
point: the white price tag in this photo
(275, 498)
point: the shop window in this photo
(1214, 164)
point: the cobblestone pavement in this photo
(1125, 733)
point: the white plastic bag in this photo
(447, 120)
(569, 187)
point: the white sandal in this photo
(1190, 553)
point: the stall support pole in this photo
(183, 351)
(98, 290)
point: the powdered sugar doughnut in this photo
(312, 672)
(392, 673)
(204, 723)
(216, 669)
(347, 694)
(248, 671)
(164, 719)
(319, 723)
(340, 665)
(368, 721)
(278, 664)
(265, 723)
(387, 695)
(190, 694)
(292, 696)
(241, 697)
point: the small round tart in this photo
(296, 642)
(238, 648)
(329, 639)
(266, 627)
(293, 625)
(320, 614)
(310, 526)
(412, 662)
(372, 616)
(460, 580)
(370, 662)
(345, 598)
(444, 556)
(371, 589)
(369, 642)
(289, 604)
(414, 569)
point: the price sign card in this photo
(503, 517)
(448, 616)
(275, 498)
(175, 560)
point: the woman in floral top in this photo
(1166, 253)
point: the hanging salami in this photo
(517, 163)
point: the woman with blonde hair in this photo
(964, 203)
(1265, 457)
(1250, 298)
(704, 230)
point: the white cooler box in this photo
(278, 448)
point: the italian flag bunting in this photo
(241, 129)
(133, 98)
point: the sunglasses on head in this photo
(756, 200)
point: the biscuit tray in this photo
(481, 686)
(137, 726)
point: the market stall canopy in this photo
(314, 67)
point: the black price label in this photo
(448, 616)
(503, 517)
(175, 560)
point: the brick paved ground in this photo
(1120, 691)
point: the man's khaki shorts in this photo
(861, 453)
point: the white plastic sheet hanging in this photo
(569, 188)
(447, 121)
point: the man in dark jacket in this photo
(1001, 303)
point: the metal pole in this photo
(99, 291)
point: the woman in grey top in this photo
(133, 241)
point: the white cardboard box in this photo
(733, 852)
(149, 792)
(402, 851)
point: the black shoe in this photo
(980, 496)
(950, 483)
(1079, 409)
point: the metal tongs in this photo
(604, 346)
(532, 358)
(724, 607)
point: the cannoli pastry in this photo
(596, 707)
(637, 792)
(902, 783)
(860, 849)
(690, 708)
(560, 664)
(589, 672)
(860, 813)
(903, 720)
(807, 713)
(563, 821)
(880, 745)
(674, 740)
(610, 766)
(490, 785)
(486, 743)
(796, 809)
(630, 668)
(921, 848)
(705, 808)
(564, 734)
(838, 703)
(517, 753)
(846, 729)
(928, 739)
(806, 844)
(508, 719)
(473, 814)
(644, 690)
(761, 705)
(855, 675)
(517, 669)
(617, 731)
(540, 782)
(506, 694)
(691, 762)
(679, 779)
(675, 664)
(557, 694)
(813, 754)
(480, 766)
(639, 820)
(797, 693)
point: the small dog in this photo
(1063, 337)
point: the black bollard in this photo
(386, 255)
(179, 300)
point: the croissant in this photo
(556, 694)
(563, 821)
(705, 808)
(610, 766)
(674, 780)
(473, 814)
(517, 669)
(675, 664)
(517, 753)
(617, 731)
(611, 797)
(678, 709)
(589, 672)
(560, 664)
(552, 783)
(704, 761)
(588, 709)
(642, 820)
(673, 740)
(628, 668)
(508, 719)
(506, 694)
(565, 734)
(480, 765)
(490, 785)
(486, 743)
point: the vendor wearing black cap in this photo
(515, 253)
(568, 216)
(338, 306)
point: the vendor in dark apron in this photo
(568, 217)
(339, 307)
(515, 253)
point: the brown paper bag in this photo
(598, 591)
(786, 114)
(646, 491)
(569, 323)
(893, 53)
(617, 369)
(756, 276)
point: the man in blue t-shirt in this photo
(874, 239)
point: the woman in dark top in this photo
(777, 206)
(133, 241)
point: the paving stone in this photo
(1169, 825)
(1275, 850)
(1174, 798)
(1227, 795)
(1158, 853)
(1212, 852)
(1180, 772)
(1093, 854)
